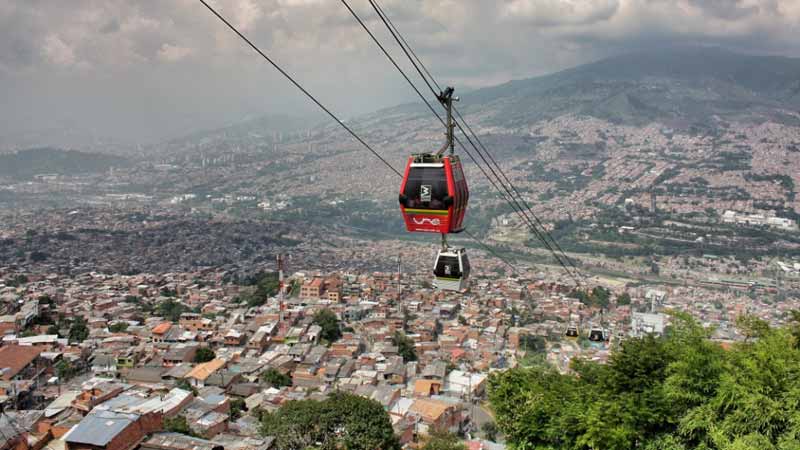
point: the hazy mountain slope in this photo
(689, 84)
(26, 163)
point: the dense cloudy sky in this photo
(148, 69)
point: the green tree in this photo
(65, 370)
(178, 424)
(340, 421)
(443, 440)
(168, 292)
(677, 392)
(751, 326)
(186, 386)
(408, 317)
(405, 346)
(266, 285)
(171, 309)
(276, 378)
(78, 331)
(329, 323)
(490, 431)
(238, 406)
(119, 327)
(204, 354)
(623, 299)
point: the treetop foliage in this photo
(680, 391)
(265, 284)
(442, 440)
(171, 309)
(405, 346)
(276, 378)
(599, 296)
(204, 354)
(342, 421)
(329, 323)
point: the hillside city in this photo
(246, 287)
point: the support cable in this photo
(422, 71)
(318, 103)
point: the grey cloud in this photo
(726, 9)
(549, 13)
(111, 27)
(166, 66)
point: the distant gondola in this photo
(451, 269)
(598, 334)
(572, 331)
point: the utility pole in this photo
(280, 287)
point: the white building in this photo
(647, 323)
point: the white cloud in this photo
(173, 53)
(560, 12)
(57, 52)
(468, 43)
(246, 14)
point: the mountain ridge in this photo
(692, 83)
(48, 160)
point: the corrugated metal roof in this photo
(99, 428)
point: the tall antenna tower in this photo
(281, 289)
(399, 275)
(653, 205)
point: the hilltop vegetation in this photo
(27, 163)
(679, 392)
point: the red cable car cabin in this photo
(434, 194)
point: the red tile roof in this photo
(162, 328)
(14, 358)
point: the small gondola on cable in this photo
(433, 199)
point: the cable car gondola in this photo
(433, 199)
(434, 194)
(598, 334)
(451, 269)
(572, 331)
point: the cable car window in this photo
(447, 266)
(464, 264)
(426, 188)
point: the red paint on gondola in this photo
(434, 194)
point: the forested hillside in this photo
(27, 163)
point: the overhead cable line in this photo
(397, 34)
(299, 86)
(514, 203)
(318, 103)
(519, 195)
(401, 41)
(490, 250)
(419, 66)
